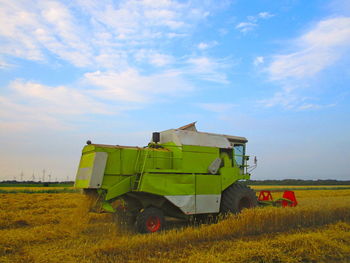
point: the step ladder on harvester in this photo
(139, 175)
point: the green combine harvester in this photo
(182, 173)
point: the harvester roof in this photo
(188, 135)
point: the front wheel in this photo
(150, 220)
(236, 198)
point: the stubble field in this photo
(57, 227)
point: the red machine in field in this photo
(288, 199)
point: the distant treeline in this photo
(298, 182)
(250, 182)
(15, 183)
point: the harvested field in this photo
(57, 227)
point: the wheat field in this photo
(58, 227)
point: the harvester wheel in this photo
(125, 220)
(237, 197)
(150, 220)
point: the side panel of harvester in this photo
(191, 187)
(114, 168)
(188, 186)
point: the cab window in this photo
(239, 154)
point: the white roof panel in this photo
(187, 137)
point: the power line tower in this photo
(49, 177)
(44, 175)
(22, 176)
(33, 177)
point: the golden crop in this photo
(59, 228)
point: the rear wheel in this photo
(150, 220)
(236, 198)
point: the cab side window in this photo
(239, 154)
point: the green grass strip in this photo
(35, 185)
(41, 191)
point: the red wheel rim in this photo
(153, 223)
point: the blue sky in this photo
(276, 72)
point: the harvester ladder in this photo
(138, 178)
(136, 182)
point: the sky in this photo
(275, 72)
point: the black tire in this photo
(125, 221)
(236, 198)
(150, 220)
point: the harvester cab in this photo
(182, 173)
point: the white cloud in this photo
(173, 35)
(223, 31)
(261, 15)
(110, 40)
(130, 86)
(216, 107)
(17, 117)
(284, 98)
(153, 57)
(203, 45)
(316, 50)
(4, 64)
(31, 104)
(311, 106)
(29, 30)
(207, 68)
(160, 60)
(289, 99)
(57, 100)
(94, 34)
(14, 23)
(265, 15)
(246, 26)
(258, 60)
(206, 45)
(252, 22)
